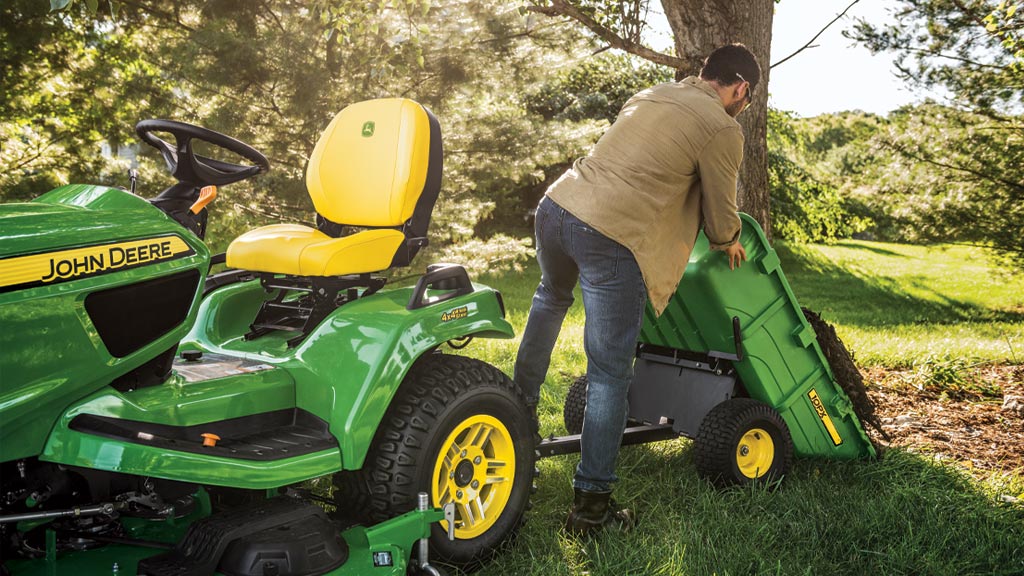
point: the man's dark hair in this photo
(725, 63)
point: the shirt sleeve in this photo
(719, 165)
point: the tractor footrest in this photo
(266, 436)
(281, 536)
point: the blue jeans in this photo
(613, 302)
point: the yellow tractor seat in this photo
(304, 251)
(377, 166)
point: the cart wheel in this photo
(575, 406)
(459, 430)
(742, 441)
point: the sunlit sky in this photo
(837, 75)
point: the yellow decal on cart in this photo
(63, 265)
(819, 407)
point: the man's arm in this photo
(719, 166)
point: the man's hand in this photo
(736, 254)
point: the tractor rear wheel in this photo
(743, 441)
(459, 430)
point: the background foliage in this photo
(519, 97)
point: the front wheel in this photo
(459, 430)
(743, 441)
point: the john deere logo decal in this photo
(368, 129)
(64, 265)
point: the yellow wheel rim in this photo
(475, 469)
(755, 453)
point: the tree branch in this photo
(820, 32)
(172, 17)
(976, 173)
(931, 54)
(565, 8)
(39, 151)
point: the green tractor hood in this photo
(94, 282)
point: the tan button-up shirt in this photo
(666, 166)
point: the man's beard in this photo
(736, 107)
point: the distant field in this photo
(895, 304)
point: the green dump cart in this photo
(734, 364)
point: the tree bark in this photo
(700, 26)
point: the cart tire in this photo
(575, 406)
(449, 411)
(743, 441)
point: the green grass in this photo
(895, 305)
(908, 514)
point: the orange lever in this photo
(206, 195)
(210, 439)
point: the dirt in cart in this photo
(847, 375)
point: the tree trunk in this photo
(701, 26)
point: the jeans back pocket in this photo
(596, 255)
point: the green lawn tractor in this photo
(286, 417)
(736, 364)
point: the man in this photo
(622, 221)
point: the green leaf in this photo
(92, 5)
(1011, 11)
(57, 5)
(115, 8)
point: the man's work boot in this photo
(592, 511)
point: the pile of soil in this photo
(977, 433)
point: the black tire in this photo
(441, 393)
(747, 426)
(575, 406)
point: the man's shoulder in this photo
(695, 99)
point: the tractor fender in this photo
(349, 368)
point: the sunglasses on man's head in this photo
(750, 98)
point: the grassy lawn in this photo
(894, 305)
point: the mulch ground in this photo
(976, 432)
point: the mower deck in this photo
(242, 539)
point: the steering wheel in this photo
(191, 168)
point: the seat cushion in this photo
(304, 251)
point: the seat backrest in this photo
(378, 164)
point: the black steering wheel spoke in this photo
(192, 169)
